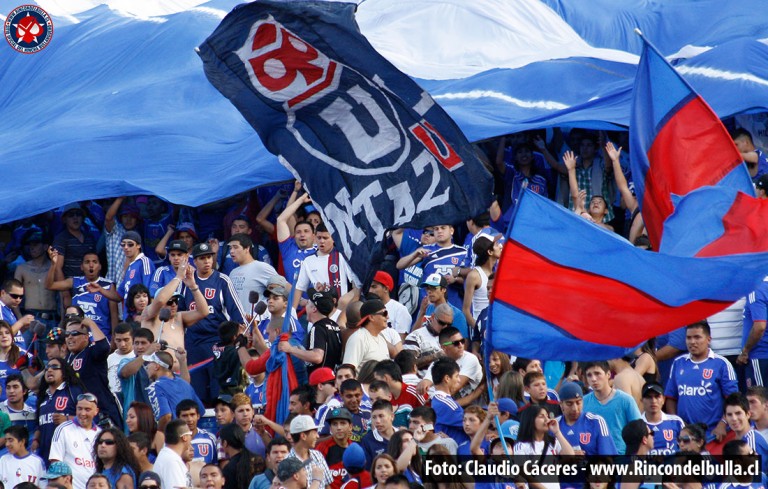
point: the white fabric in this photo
(469, 366)
(480, 297)
(171, 469)
(727, 328)
(17, 470)
(113, 361)
(253, 276)
(363, 346)
(314, 270)
(399, 317)
(74, 446)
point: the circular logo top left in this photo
(28, 29)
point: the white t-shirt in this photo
(535, 448)
(314, 270)
(73, 445)
(172, 470)
(363, 346)
(399, 318)
(113, 361)
(15, 470)
(253, 276)
(469, 366)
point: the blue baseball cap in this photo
(507, 405)
(56, 470)
(570, 390)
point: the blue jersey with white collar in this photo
(700, 388)
(442, 261)
(758, 443)
(589, 433)
(140, 271)
(665, 433)
(223, 305)
(94, 305)
(292, 257)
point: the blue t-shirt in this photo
(138, 272)
(166, 393)
(411, 242)
(700, 388)
(441, 261)
(617, 412)
(757, 442)
(756, 310)
(113, 475)
(292, 257)
(665, 434)
(762, 165)
(62, 401)
(450, 417)
(590, 433)
(94, 305)
(8, 316)
(223, 305)
(257, 394)
(204, 446)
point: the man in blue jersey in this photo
(203, 442)
(293, 249)
(699, 381)
(167, 390)
(178, 253)
(665, 427)
(756, 161)
(442, 258)
(11, 296)
(436, 286)
(737, 415)
(138, 267)
(223, 305)
(94, 294)
(586, 432)
(754, 351)
(450, 416)
(616, 407)
(89, 360)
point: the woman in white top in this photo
(488, 251)
(540, 435)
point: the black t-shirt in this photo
(325, 334)
(91, 365)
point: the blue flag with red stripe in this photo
(566, 289)
(373, 148)
(679, 145)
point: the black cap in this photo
(370, 307)
(178, 245)
(322, 299)
(202, 249)
(653, 387)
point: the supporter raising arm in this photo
(618, 174)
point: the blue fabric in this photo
(362, 136)
(617, 412)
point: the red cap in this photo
(384, 279)
(321, 375)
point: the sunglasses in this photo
(429, 233)
(17, 296)
(443, 323)
(75, 333)
(106, 442)
(53, 367)
(87, 397)
(684, 439)
(127, 244)
(173, 301)
(149, 486)
(383, 313)
(456, 343)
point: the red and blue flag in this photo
(568, 290)
(678, 145)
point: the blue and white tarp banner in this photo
(117, 103)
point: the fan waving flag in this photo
(677, 144)
(372, 148)
(568, 290)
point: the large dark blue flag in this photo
(373, 149)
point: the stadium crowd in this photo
(124, 321)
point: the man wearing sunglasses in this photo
(367, 343)
(89, 360)
(470, 372)
(425, 342)
(138, 268)
(11, 296)
(73, 441)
